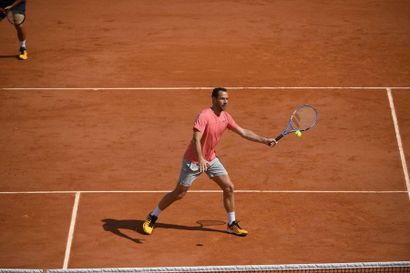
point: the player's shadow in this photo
(115, 226)
(9, 56)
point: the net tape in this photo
(340, 267)
(21, 270)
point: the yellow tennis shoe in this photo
(235, 229)
(149, 224)
(23, 54)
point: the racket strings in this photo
(304, 118)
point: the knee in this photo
(18, 23)
(180, 195)
(229, 189)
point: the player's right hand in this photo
(203, 165)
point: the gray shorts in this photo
(190, 171)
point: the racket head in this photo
(304, 117)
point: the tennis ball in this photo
(298, 133)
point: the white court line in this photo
(204, 88)
(71, 231)
(399, 142)
(198, 191)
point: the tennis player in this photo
(200, 157)
(18, 8)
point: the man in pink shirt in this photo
(200, 157)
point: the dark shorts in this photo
(20, 8)
(17, 14)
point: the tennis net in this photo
(5, 270)
(371, 267)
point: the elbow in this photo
(244, 134)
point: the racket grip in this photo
(279, 137)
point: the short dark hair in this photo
(215, 92)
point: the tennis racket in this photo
(13, 18)
(303, 118)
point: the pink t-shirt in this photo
(212, 128)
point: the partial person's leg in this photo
(169, 198)
(21, 34)
(19, 15)
(177, 194)
(189, 172)
(225, 183)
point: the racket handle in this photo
(279, 137)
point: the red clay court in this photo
(94, 125)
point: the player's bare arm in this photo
(249, 135)
(202, 162)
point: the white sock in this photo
(156, 212)
(231, 217)
(23, 43)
